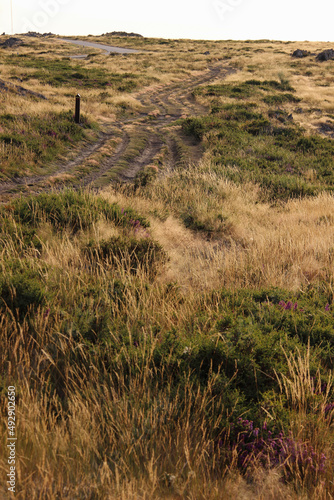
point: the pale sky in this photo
(197, 19)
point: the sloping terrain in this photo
(160, 109)
(167, 270)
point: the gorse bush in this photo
(243, 342)
(22, 290)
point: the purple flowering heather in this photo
(272, 450)
(329, 407)
(288, 306)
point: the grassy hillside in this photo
(166, 285)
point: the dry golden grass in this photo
(261, 245)
(311, 79)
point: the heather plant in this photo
(260, 446)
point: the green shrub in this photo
(244, 343)
(139, 253)
(22, 236)
(146, 176)
(280, 99)
(22, 291)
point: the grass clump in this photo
(137, 253)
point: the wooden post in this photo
(77, 109)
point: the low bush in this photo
(21, 290)
(63, 72)
(137, 253)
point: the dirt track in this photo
(106, 48)
(161, 139)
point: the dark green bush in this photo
(139, 253)
(280, 99)
(64, 72)
(146, 176)
(245, 343)
(22, 236)
(22, 292)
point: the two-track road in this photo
(156, 124)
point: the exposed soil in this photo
(156, 126)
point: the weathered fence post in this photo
(77, 109)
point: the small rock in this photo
(33, 34)
(300, 53)
(12, 42)
(122, 33)
(325, 55)
(327, 128)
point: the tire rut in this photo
(171, 102)
(85, 153)
(155, 143)
(109, 163)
